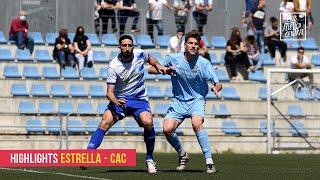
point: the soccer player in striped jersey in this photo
(189, 87)
(126, 92)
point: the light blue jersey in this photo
(190, 79)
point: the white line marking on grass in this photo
(53, 173)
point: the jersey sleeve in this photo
(112, 76)
(145, 56)
(209, 73)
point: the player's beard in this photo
(126, 54)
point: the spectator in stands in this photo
(203, 50)
(272, 40)
(304, 6)
(253, 52)
(106, 12)
(154, 15)
(236, 54)
(251, 7)
(127, 8)
(176, 43)
(258, 18)
(83, 49)
(300, 61)
(19, 32)
(182, 8)
(97, 7)
(286, 7)
(63, 50)
(200, 13)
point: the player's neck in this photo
(190, 57)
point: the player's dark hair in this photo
(300, 48)
(125, 36)
(193, 34)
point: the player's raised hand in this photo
(215, 89)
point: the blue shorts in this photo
(179, 110)
(132, 107)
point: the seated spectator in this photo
(272, 40)
(127, 8)
(182, 8)
(203, 50)
(253, 52)
(83, 49)
(300, 61)
(154, 15)
(236, 54)
(176, 43)
(63, 50)
(19, 32)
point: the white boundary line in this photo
(60, 174)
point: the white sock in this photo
(182, 152)
(209, 161)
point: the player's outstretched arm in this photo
(157, 68)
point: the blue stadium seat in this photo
(298, 129)
(263, 94)
(218, 42)
(46, 108)
(222, 57)
(53, 126)
(101, 108)
(11, 72)
(154, 92)
(97, 91)
(37, 37)
(77, 91)
(310, 44)
(168, 92)
(43, 55)
(230, 93)
(39, 90)
(148, 76)
(92, 125)
(75, 126)
(34, 126)
(145, 41)
(88, 73)
(26, 108)
(161, 109)
(65, 108)
(316, 94)
(295, 110)
(222, 75)
(116, 129)
(257, 76)
(19, 90)
(110, 40)
(303, 93)
(99, 57)
(213, 58)
(50, 72)
(51, 38)
(222, 111)
(31, 72)
(93, 38)
(156, 54)
(263, 129)
(163, 41)
(267, 60)
(5, 55)
(85, 109)
(292, 44)
(69, 73)
(113, 54)
(211, 95)
(58, 91)
(23, 55)
(103, 73)
(132, 127)
(229, 127)
(315, 59)
(206, 41)
(2, 38)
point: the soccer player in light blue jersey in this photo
(127, 95)
(189, 86)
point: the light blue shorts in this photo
(179, 110)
